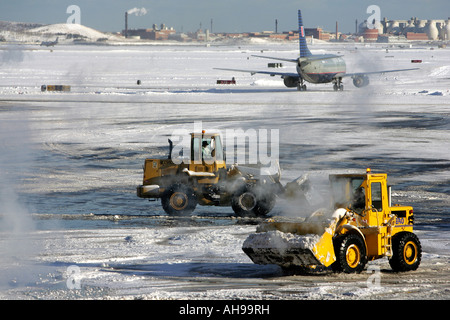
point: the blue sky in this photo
(227, 15)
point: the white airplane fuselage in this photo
(318, 70)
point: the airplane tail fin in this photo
(304, 51)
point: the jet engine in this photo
(291, 82)
(360, 81)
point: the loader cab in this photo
(348, 191)
(206, 152)
(366, 194)
(377, 202)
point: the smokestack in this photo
(126, 24)
(276, 25)
(337, 36)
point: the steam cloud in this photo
(16, 224)
(138, 12)
(11, 56)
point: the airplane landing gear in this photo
(337, 85)
(301, 86)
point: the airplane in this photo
(49, 43)
(316, 68)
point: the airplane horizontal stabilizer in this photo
(320, 57)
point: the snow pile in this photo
(72, 29)
(267, 83)
(440, 72)
(280, 240)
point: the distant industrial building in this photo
(155, 33)
(386, 31)
(411, 30)
(317, 33)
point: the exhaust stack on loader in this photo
(362, 226)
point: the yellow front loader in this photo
(199, 176)
(361, 226)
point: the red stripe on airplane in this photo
(326, 73)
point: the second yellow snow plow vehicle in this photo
(362, 226)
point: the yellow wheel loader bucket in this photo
(293, 244)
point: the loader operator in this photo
(206, 150)
(359, 200)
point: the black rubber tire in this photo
(179, 199)
(252, 202)
(350, 251)
(406, 252)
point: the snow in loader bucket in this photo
(293, 244)
(283, 249)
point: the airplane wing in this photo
(275, 58)
(271, 73)
(359, 74)
(310, 58)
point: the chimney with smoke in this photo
(137, 12)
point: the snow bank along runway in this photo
(72, 226)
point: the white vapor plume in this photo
(138, 11)
(16, 225)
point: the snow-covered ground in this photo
(72, 226)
